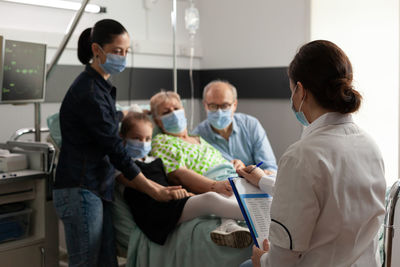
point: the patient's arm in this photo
(198, 183)
(238, 164)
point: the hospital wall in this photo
(251, 44)
(368, 31)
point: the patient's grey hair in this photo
(212, 83)
(161, 97)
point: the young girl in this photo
(157, 219)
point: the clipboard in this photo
(255, 207)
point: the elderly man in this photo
(240, 137)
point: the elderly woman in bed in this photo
(186, 158)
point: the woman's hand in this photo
(257, 253)
(237, 164)
(252, 175)
(222, 187)
(180, 193)
(164, 193)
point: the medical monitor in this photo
(22, 71)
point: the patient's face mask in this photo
(174, 122)
(220, 119)
(299, 114)
(114, 63)
(137, 149)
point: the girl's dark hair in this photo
(130, 120)
(103, 32)
(325, 70)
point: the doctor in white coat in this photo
(330, 187)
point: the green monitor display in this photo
(22, 71)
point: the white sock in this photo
(211, 203)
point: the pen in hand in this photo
(258, 165)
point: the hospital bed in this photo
(392, 227)
(188, 245)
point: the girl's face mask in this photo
(138, 149)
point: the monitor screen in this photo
(23, 67)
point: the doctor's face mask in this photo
(299, 114)
(114, 63)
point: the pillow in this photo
(53, 122)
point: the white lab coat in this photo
(329, 195)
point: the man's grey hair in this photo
(210, 84)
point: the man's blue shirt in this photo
(247, 142)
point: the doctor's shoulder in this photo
(304, 150)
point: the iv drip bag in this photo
(192, 19)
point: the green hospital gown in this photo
(176, 153)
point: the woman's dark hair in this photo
(130, 120)
(103, 32)
(325, 70)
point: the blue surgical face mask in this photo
(220, 119)
(114, 63)
(137, 149)
(299, 114)
(174, 122)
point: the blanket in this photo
(188, 245)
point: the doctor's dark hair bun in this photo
(103, 32)
(325, 70)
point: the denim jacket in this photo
(91, 145)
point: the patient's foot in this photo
(230, 234)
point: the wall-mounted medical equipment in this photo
(22, 71)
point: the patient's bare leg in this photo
(211, 203)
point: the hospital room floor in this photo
(63, 256)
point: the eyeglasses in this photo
(215, 107)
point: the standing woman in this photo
(330, 187)
(91, 147)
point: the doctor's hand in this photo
(252, 175)
(257, 253)
(238, 164)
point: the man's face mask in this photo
(220, 119)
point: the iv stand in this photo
(173, 21)
(54, 61)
